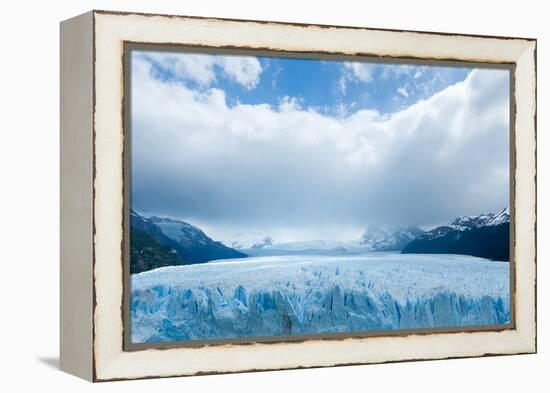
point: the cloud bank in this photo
(289, 166)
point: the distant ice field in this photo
(296, 295)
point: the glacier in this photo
(307, 294)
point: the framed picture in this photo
(245, 195)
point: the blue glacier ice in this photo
(294, 295)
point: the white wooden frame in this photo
(92, 194)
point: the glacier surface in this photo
(294, 295)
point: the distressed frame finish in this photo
(92, 193)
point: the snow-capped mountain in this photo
(319, 247)
(467, 223)
(150, 248)
(265, 242)
(180, 231)
(374, 239)
(187, 241)
(389, 239)
(242, 240)
(485, 235)
(487, 219)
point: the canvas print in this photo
(285, 197)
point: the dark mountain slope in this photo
(195, 245)
(147, 253)
(177, 238)
(485, 236)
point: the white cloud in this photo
(399, 70)
(355, 71)
(274, 77)
(403, 91)
(413, 81)
(196, 67)
(201, 68)
(244, 70)
(364, 72)
(361, 71)
(196, 157)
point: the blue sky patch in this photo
(332, 87)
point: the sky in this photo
(307, 149)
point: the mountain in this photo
(374, 239)
(194, 245)
(150, 248)
(265, 242)
(389, 239)
(486, 236)
(243, 240)
(308, 247)
(157, 242)
(147, 253)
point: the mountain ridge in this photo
(189, 242)
(485, 235)
(379, 238)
